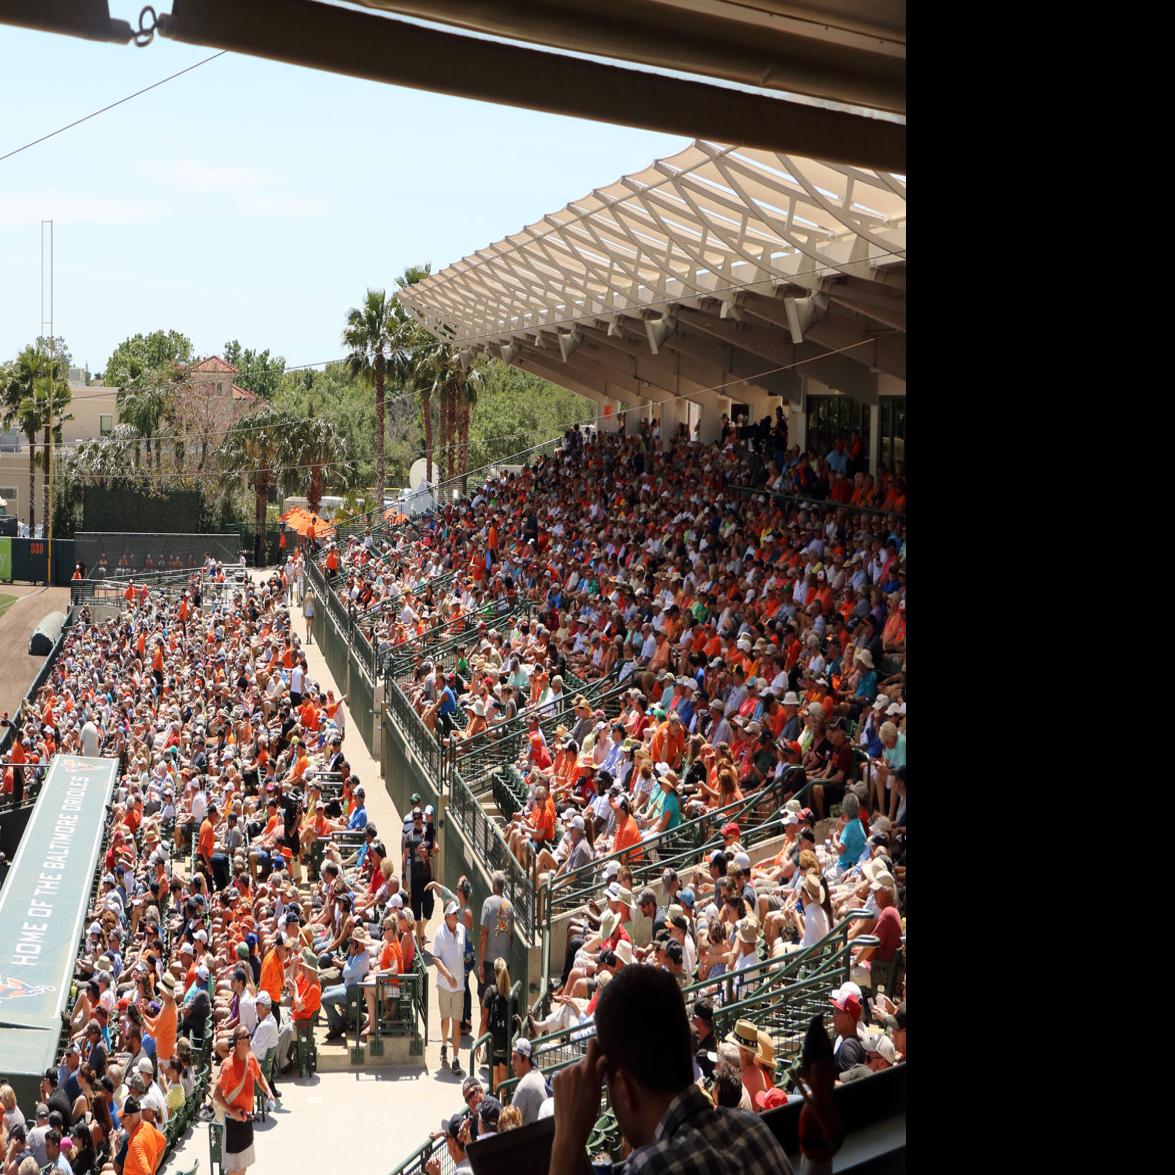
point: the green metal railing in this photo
(489, 847)
(757, 815)
(554, 1050)
(818, 503)
(409, 993)
(414, 1164)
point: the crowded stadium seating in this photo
(699, 649)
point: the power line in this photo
(95, 113)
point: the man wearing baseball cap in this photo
(531, 1090)
(145, 1144)
(847, 1049)
(451, 1128)
(449, 958)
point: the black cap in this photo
(490, 1109)
(704, 1010)
(130, 1106)
(452, 1126)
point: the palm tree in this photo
(467, 401)
(19, 403)
(370, 336)
(317, 443)
(413, 346)
(258, 448)
(142, 404)
(52, 396)
(455, 387)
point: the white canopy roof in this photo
(694, 239)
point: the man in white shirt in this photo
(265, 1035)
(448, 949)
(153, 1093)
(91, 739)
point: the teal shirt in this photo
(852, 844)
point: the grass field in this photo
(6, 602)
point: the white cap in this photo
(452, 908)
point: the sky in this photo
(254, 200)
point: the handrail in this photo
(822, 503)
(414, 1163)
(770, 974)
(569, 892)
(823, 965)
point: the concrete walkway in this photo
(370, 1117)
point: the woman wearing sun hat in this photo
(746, 1036)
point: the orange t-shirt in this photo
(144, 1150)
(206, 845)
(628, 833)
(271, 978)
(231, 1073)
(163, 1028)
(391, 954)
(310, 992)
(543, 821)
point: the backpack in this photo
(500, 1021)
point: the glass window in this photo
(831, 418)
(105, 425)
(892, 441)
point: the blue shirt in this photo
(358, 820)
(852, 842)
(867, 685)
(355, 968)
(448, 702)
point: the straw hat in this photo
(748, 930)
(811, 887)
(745, 1035)
(766, 1056)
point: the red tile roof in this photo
(244, 394)
(214, 363)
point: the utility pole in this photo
(49, 393)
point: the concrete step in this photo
(335, 1056)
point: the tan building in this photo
(92, 412)
(215, 404)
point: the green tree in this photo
(258, 371)
(142, 404)
(35, 394)
(19, 404)
(317, 444)
(414, 358)
(257, 449)
(133, 357)
(369, 336)
(53, 397)
(516, 410)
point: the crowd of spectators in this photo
(756, 623)
(201, 948)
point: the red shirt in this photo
(889, 930)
